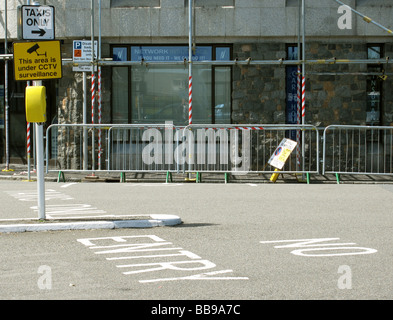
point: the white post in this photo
(40, 170)
(40, 164)
(39, 142)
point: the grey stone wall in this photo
(70, 111)
(335, 93)
(259, 91)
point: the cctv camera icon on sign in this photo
(34, 49)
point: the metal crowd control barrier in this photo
(243, 149)
(143, 148)
(165, 148)
(78, 147)
(69, 147)
(358, 150)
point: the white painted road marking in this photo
(62, 210)
(135, 246)
(50, 194)
(68, 184)
(152, 185)
(310, 245)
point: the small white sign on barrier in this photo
(282, 153)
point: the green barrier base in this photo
(168, 176)
(61, 176)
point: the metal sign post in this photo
(6, 106)
(35, 98)
(82, 52)
(40, 165)
(37, 60)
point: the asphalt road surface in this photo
(237, 241)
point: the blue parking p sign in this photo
(83, 52)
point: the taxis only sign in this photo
(36, 22)
(38, 60)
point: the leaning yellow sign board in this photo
(282, 153)
(37, 60)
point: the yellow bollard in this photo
(274, 176)
(35, 100)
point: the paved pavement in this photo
(237, 241)
(19, 172)
(15, 172)
(29, 220)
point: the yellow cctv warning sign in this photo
(37, 60)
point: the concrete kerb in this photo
(31, 225)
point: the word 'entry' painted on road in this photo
(151, 257)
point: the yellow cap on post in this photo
(35, 104)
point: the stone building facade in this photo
(335, 93)
(250, 29)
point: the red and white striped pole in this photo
(28, 140)
(93, 98)
(303, 114)
(190, 5)
(298, 151)
(28, 150)
(190, 100)
(190, 151)
(99, 118)
(303, 97)
(28, 145)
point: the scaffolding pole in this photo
(298, 80)
(303, 83)
(190, 24)
(6, 106)
(235, 62)
(99, 87)
(92, 88)
(189, 61)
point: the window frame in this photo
(213, 70)
(379, 83)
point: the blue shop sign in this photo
(169, 53)
(291, 110)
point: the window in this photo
(374, 52)
(291, 89)
(120, 87)
(159, 93)
(215, 3)
(374, 86)
(134, 3)
(292, 3)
